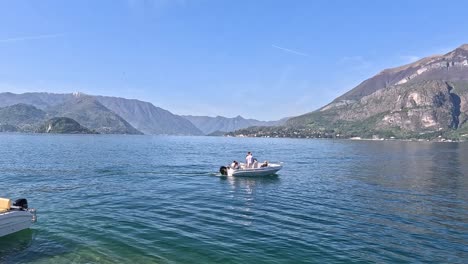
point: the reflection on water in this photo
(408, 187)
(251, 182)
(243, 190)
(410, 165)
(118, 199)
(14, 244)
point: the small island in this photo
(63, 125)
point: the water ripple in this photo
(157, 200)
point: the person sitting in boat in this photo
(235, 165)
(249, 159)
(254, 163)
(265, 164)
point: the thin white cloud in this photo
(290, 51)
(25, 38)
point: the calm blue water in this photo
(143, 199)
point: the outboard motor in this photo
(21, 203)
(223, 170)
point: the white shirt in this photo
(248, 159)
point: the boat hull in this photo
(257, 172)
(14, 221)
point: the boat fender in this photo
(223, 170)
(22, 203)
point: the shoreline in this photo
(442, 140)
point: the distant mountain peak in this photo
(463, 47)
(209, 125)
(426, 99)
(410, 65)
(450, 66)
(78, 94)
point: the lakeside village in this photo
(309, 133)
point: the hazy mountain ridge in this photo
(21, 117)
(148, 118)
(219, 124)
(39, 100)
(427, 99)
(28, 118)
(90, 113)
(128, 115)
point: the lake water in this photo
(143, 199)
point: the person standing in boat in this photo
(249, 159)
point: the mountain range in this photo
(30, 112)
(427, 99)
(209, 125)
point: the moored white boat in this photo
(243, 171)
(15, 216)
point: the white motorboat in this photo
(15, 216)
(256, 170)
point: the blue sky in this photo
(259, 59)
